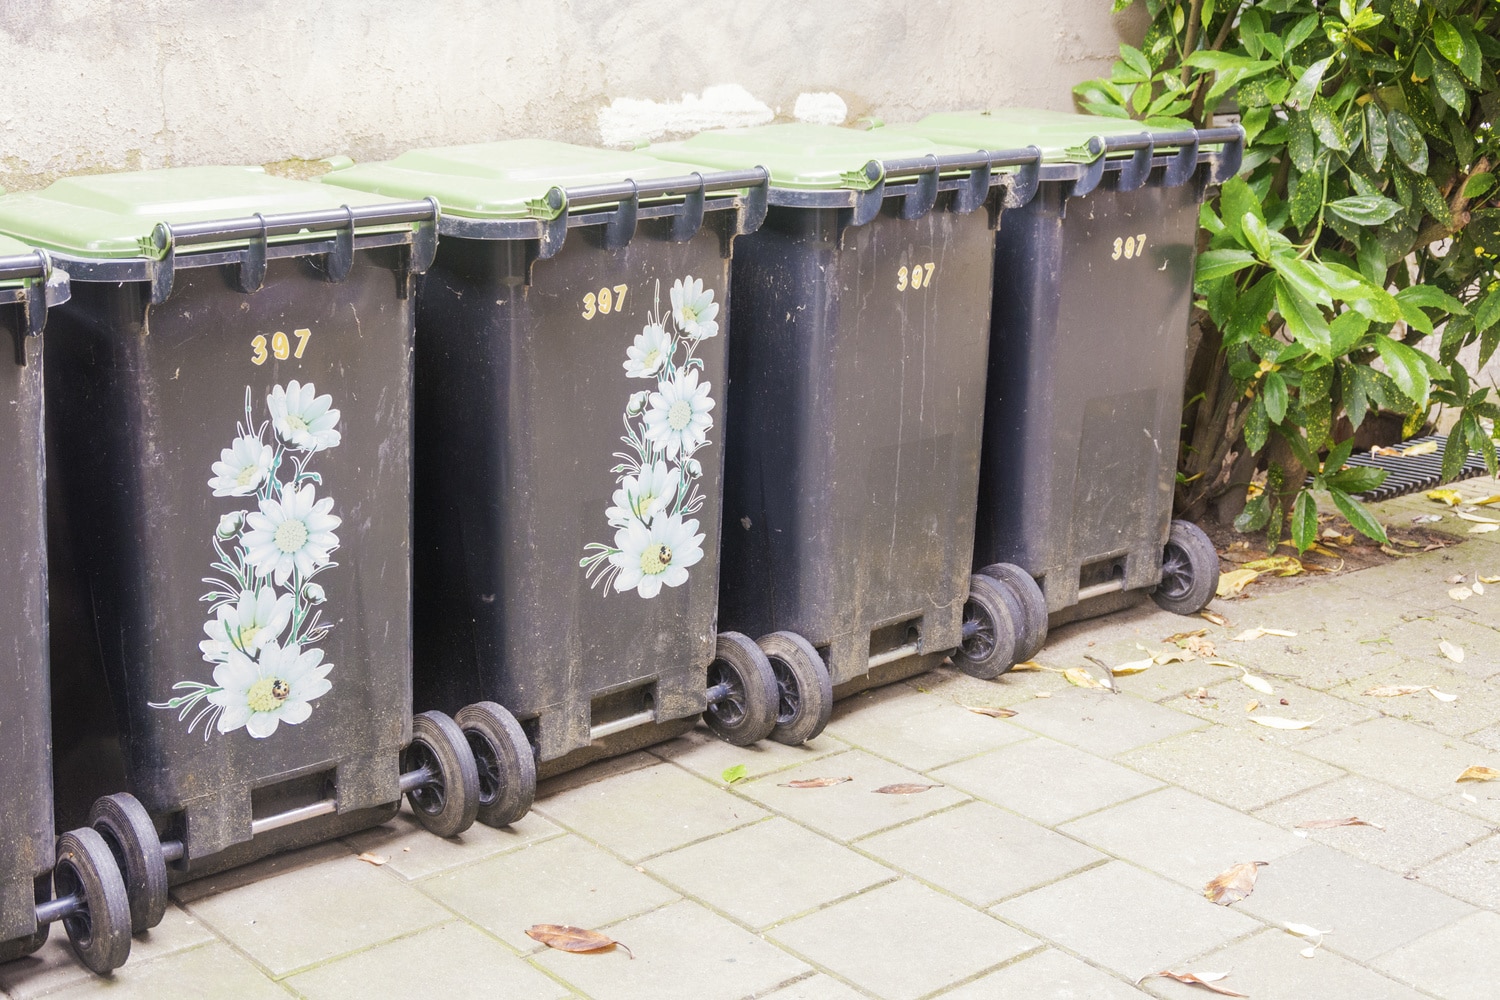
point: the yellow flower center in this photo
(689, 315)
(652, 359)
(291, 535)
(679, 416)
(643, 504)
(656, 559)
(267, 694)
(295, 422)
(247, 635)
(249, 474)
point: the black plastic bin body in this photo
(157, 370)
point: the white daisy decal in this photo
(257, 618)
(649, 558)
(694, 308)
(276, 687)
(293, 534)
(677, 416)
(640, 498)
(649, 353)
(241, 468)
(302, 418)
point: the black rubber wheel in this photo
(804, 688)
(1189, 570)
(127, 828)
(989, 646)
(447, 805)
(747, 713)
(1032, 622)
(504, 758)
(99, 930)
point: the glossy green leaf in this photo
(1488, 311)
(1305, 322)
(1450, 88)
(1448, 41)
(1431, 297)
(1455, 452)
(1218, 263)
(1365, 210)
(1304, 521)
(1304, 277)
(1478, 185)
(1345, 331)
(1307, 84)
(1256, 234)
(1327, 125)
(1356, 479)
(1307, 198)
(1338, 455)
(1235, 199)
(1363, 521)
(1257, 426)
(1407, 141)
(1274, 395)
(1406, 369)
(1256, 513)
(1302, 143)
(1377, 138)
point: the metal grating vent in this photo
(1414, 473)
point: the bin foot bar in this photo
(61, 908)
(620, 725)
(1100, 589)
(892, 655)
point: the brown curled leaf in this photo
(372, 859)
(1233, 884)
(1208, 980)
(575, 939)
(814, 782)
(1329, 824)
(1478, 772)
(904, 788)
(991, 711)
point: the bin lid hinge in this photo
(919, 201)
(686, 225)
(1227, 163)
(1183, 165)
(973, 190)
(751, 213)
(250, 272)
(620, 229)
(42, 287)
(1024, 180)
(1137, 169)
(1093, 171)
(341, 257)
(162, 267)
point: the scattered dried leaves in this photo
(992, 711)
(1252, 705)
(1027, 666)
(1234, 883)
(1181, 638)
(1329, 824)
(1199, 646)
(904, 788)
(1484, 529)
(1208, 980)
(818, 782)
(1478, 772)
(372, 859)
(1136, 666)
(1477, 518)
(574, 939)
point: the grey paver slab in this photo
(703, 753)
(980, 853)
(1421, 583)
(316, 913)
(1416, 830)
(679, 947)
(1183, 836)
(1268, 966)
(1471, 626)
(819, 987)
(919, 731)
(668, 808)
(561, 881)
(1101, 722)
(1368, 909)
(259, 871)
(851, 809)
(1457, 962)
(1050, 975)
(767, 872)
(1474, 708)
(453, 961)
(413, 853)
(1126, 920)
(1241, 770)
(54, 966)
(902, 941)
(1225, 704)
(1045, 780)
(1472, 874)
(208, 970)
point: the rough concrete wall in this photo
(94, 85)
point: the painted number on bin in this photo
(1129, 247)
(280, 346)
(605, 300)
(916, 276)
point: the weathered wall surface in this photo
(93, 85)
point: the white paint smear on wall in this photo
(629, 120)
(822, 108)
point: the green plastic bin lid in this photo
(801, 156)
(500, 180)
(1062, 137)
(113, 215)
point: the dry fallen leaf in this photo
(1478, 587)
(818, 782)
(1258, 683)
(1442, 695)
(1079, 677)
(1395, 552)
(1217, 619)
(574, 939)
(991, 711)
(1234, 581)
(1208, 980)
(1199, 646)
(1234, 883)
(1422, 448)
(1250, 635)
(1484, 529)
(1276, 722)
(1460, 593)
(1178, 638)
(1043, 694)
(1226, 663)
(1381, 449)
(1449, 497)
(1478, 772)
(1469, 798)
(1452, 652)
(1028, 665)
(1136, 666)
(372, 859)
(1329, 824)
(1486, 501)
(1279, 565)
(1476, 518)
(1305, 930)
(1395, 690)
(1162, 659)
(1201, 694)
(1489, 579)
(1252, 705)
(904, 788)
(1427, 519)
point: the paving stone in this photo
(1241, 770)
(1368, 909)
(668, 808)
(561, 881)
(902, 941)
(208, 970)
(599, 770)
(1469, 626)
(316, 913)
(1421, 581)
(851, 809)
(980, 853)
(703, 753)
(55, 966)
(1183, 836)
(1102, 722)
(1046, 781)
(453, 961)
(915, 730)
(1007, 690)
(1488, 738)
(1472, 874)
(1417, 759)
(259, 871)
(1226, 703)
(1457, 962)
(819, 987)
(1050, 975)
(767, 872)
(1126, 920)
(1268, 966)
(1416, 831)
(413, 853)
(679, 947)
(1474, 709)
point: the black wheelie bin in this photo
(228, 430)
(856, 400)
(1093, 290)
(570, 419)
(90, 898)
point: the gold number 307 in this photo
(1130, 246)
(281, 346)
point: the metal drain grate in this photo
(1414, 473)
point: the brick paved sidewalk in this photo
(1062, 855)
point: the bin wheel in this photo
(1032, 622)
(448, 804)
(989, 646)
(1189, 570)
(99, 930)
(505, 761)
(805, 691)
(127, 828)
(747, 712)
